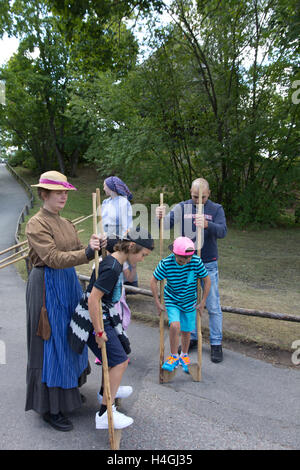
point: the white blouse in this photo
(116, 215)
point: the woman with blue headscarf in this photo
(117, 220)
(116, 209)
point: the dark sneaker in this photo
(193, 345)
(216, 353)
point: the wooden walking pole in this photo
(195, 369)
(111, 430)
(199, 289)
(99, 219)
(161, 316)
(164, 375)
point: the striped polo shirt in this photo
(181, 286)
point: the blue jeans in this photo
(213, 306)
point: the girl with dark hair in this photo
(134, 247)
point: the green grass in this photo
(258, 269)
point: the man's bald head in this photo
(195, 190)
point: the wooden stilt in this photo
(99, 219)
(164, 375)
(195, 369)
(111, 430)
(161, 345)
(161, 317)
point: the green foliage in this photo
(37, 87)
(18, 158)
(5, 18)
(214, 97)
(198, 107)
(256, 207)
(30, 163)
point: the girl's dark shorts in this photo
(114, 349)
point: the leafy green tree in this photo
(52, 64)
(5, 18)
(240, 64)
(212, 99)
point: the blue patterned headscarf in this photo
(118, 186)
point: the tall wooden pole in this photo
(162, 316)
(113, 444)
(199, 291)
(99, 219)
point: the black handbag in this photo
(80, 325)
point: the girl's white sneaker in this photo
(120, 420)
(124, 391)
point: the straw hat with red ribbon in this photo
(54, 180)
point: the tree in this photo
(212, 99)
(5, 18)
(45, 80)
(237, 57)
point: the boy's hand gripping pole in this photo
(111, 430)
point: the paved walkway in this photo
(242, 403)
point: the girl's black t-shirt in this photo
(109, 280)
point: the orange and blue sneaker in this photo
(171, 363)
(184, 361)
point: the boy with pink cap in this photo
(181, 270)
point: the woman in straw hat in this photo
(54, 371)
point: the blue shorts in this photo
(114, 349)
(187, 318)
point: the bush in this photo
(19, 157)
(30, 163)
(256, 207)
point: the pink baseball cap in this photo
(183, 246)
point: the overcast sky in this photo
(7, 47)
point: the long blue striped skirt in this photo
(62, 366)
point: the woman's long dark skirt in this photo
(39, 397)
